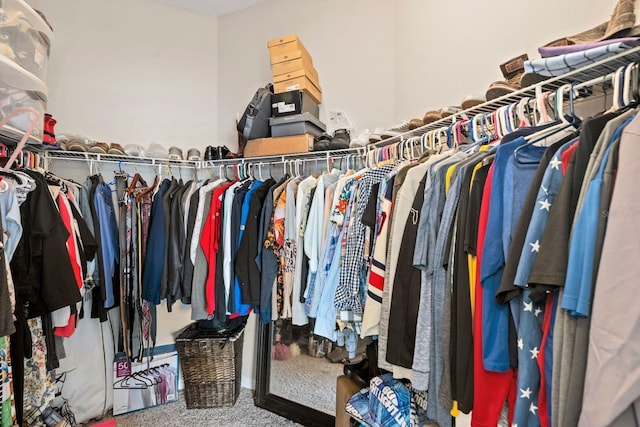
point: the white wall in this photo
(133, 71)
(385, 61)
(446, 50)
(349, 41)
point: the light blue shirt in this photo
(578, 283)
(11, 222)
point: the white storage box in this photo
(25, 37)
(18, 88)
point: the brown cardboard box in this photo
(292, 65)
(294, 54)
(283, 45)
(282, 40)
(281, 145)
(299, 83)
(311, 75)
(345, 388)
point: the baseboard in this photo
(247, 382)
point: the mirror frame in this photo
(263, 398)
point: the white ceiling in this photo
(213, 7)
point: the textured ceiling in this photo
(213, 7)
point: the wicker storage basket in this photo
(211, 367)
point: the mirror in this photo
(294, 378)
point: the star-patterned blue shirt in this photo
(546, 195)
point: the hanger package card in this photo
(141, 385)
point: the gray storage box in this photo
(297, 124)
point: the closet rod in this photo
(289, 159)
(589, 75)
(282, 158)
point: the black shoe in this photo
(341, 140)
(224, 151)
(338, 355)
(209, 153)
(322, 142)
(358, 370)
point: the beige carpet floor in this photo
(243, 413)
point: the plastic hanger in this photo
(125, 383)
(502, 119)
(563, 125)
(513, 120)
(260, 171)
(475, 136)
(416, 147)
(441, 136)
(521, 112)
(541, 108)
(633, 85)
(452, 136)
(630, 85)
(616, 89)
(626, 85)
(460, 135)
(509, 122)
(635, 82)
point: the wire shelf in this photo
(116, 158)
(585, 75)
(597, 70)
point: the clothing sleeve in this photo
(473, 214)
(369, 214)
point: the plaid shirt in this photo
(562, 64)
(337, 219)
(351, 287)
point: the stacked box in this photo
(292, 67)
(279, 145)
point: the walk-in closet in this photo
(319, 213)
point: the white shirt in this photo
(298, 314)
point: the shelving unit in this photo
(594, 75)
